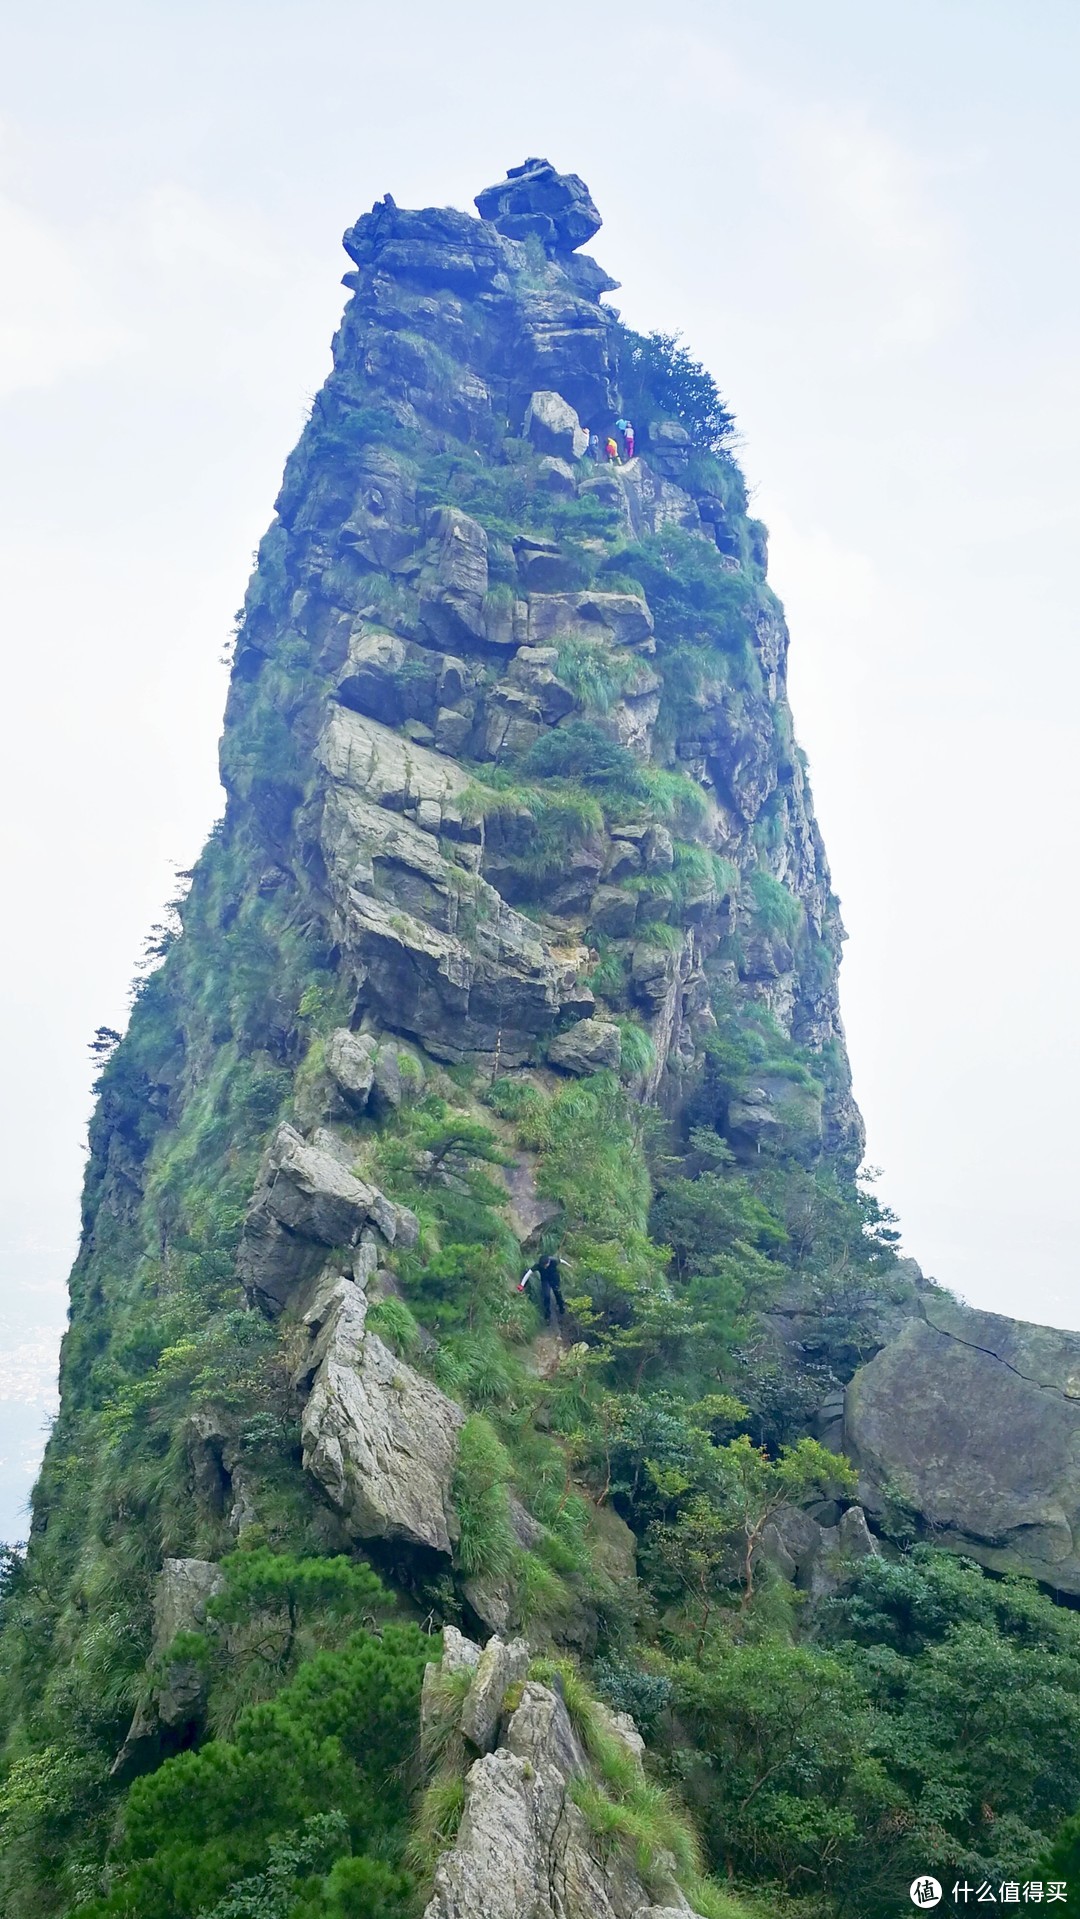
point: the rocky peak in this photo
(535, 199)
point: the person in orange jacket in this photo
(611, 449)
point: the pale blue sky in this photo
(863, 218)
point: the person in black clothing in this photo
(547, 1272)
(550, 1287)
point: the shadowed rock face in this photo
(973, 1421)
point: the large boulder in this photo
(350, 1062)
(380, 1438)
(554, 428)
(588, 1047)
(973, 1421)
(433, 247)
(306, 1199)
(535, 199)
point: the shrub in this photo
(658, 374)
(486, 1544)
(776, 911)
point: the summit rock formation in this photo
(517, 936)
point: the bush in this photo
(486, 1545)
(658, 375)
(342, 1731)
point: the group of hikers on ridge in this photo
(611, 444)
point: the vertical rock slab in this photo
(380, 1438)
(973, 1420)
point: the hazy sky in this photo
(862, 216)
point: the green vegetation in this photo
(660, 377)
(622, 1489)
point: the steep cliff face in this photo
(453, 594)
(517, 937)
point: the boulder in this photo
(588, 1047)
(452, 729)
(535, 199)
(309, 1189)
(622, 618)
(972, 1420)
(613, 912)
(380, 1439)
(558, 476)
(394, 680)
(452, 598)
(554, 428)
(350, 1062)
(670, 447)
(461, 558)
(431, 246)
(305, 1200)
(853, 1536)
(652, 969)
(386, 1087)
(501, 1665)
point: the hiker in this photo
(628, 439)
(612, 450)
(547, 1272)
(593, 448)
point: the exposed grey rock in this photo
(622, 618)
(452, 600)
(461, 561)
(452, 729)
(365, 758)
(459, 1655)
(620, 1726)
(458, 1652)
(658, 850)
(524, 1847)
(398, 682)
(386, 1089)
(973, 1420)
(652, 969)
(436, 246)
(772, 1107)
(177, 1694)
(613, 912)
(534, 199)
(558, 476)
(500, 1666)
(380, 1439)
(304, 1201)
(587, 1047)
(554, 428)
(350, 1061)
(854, 1537)
(309, 1190)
